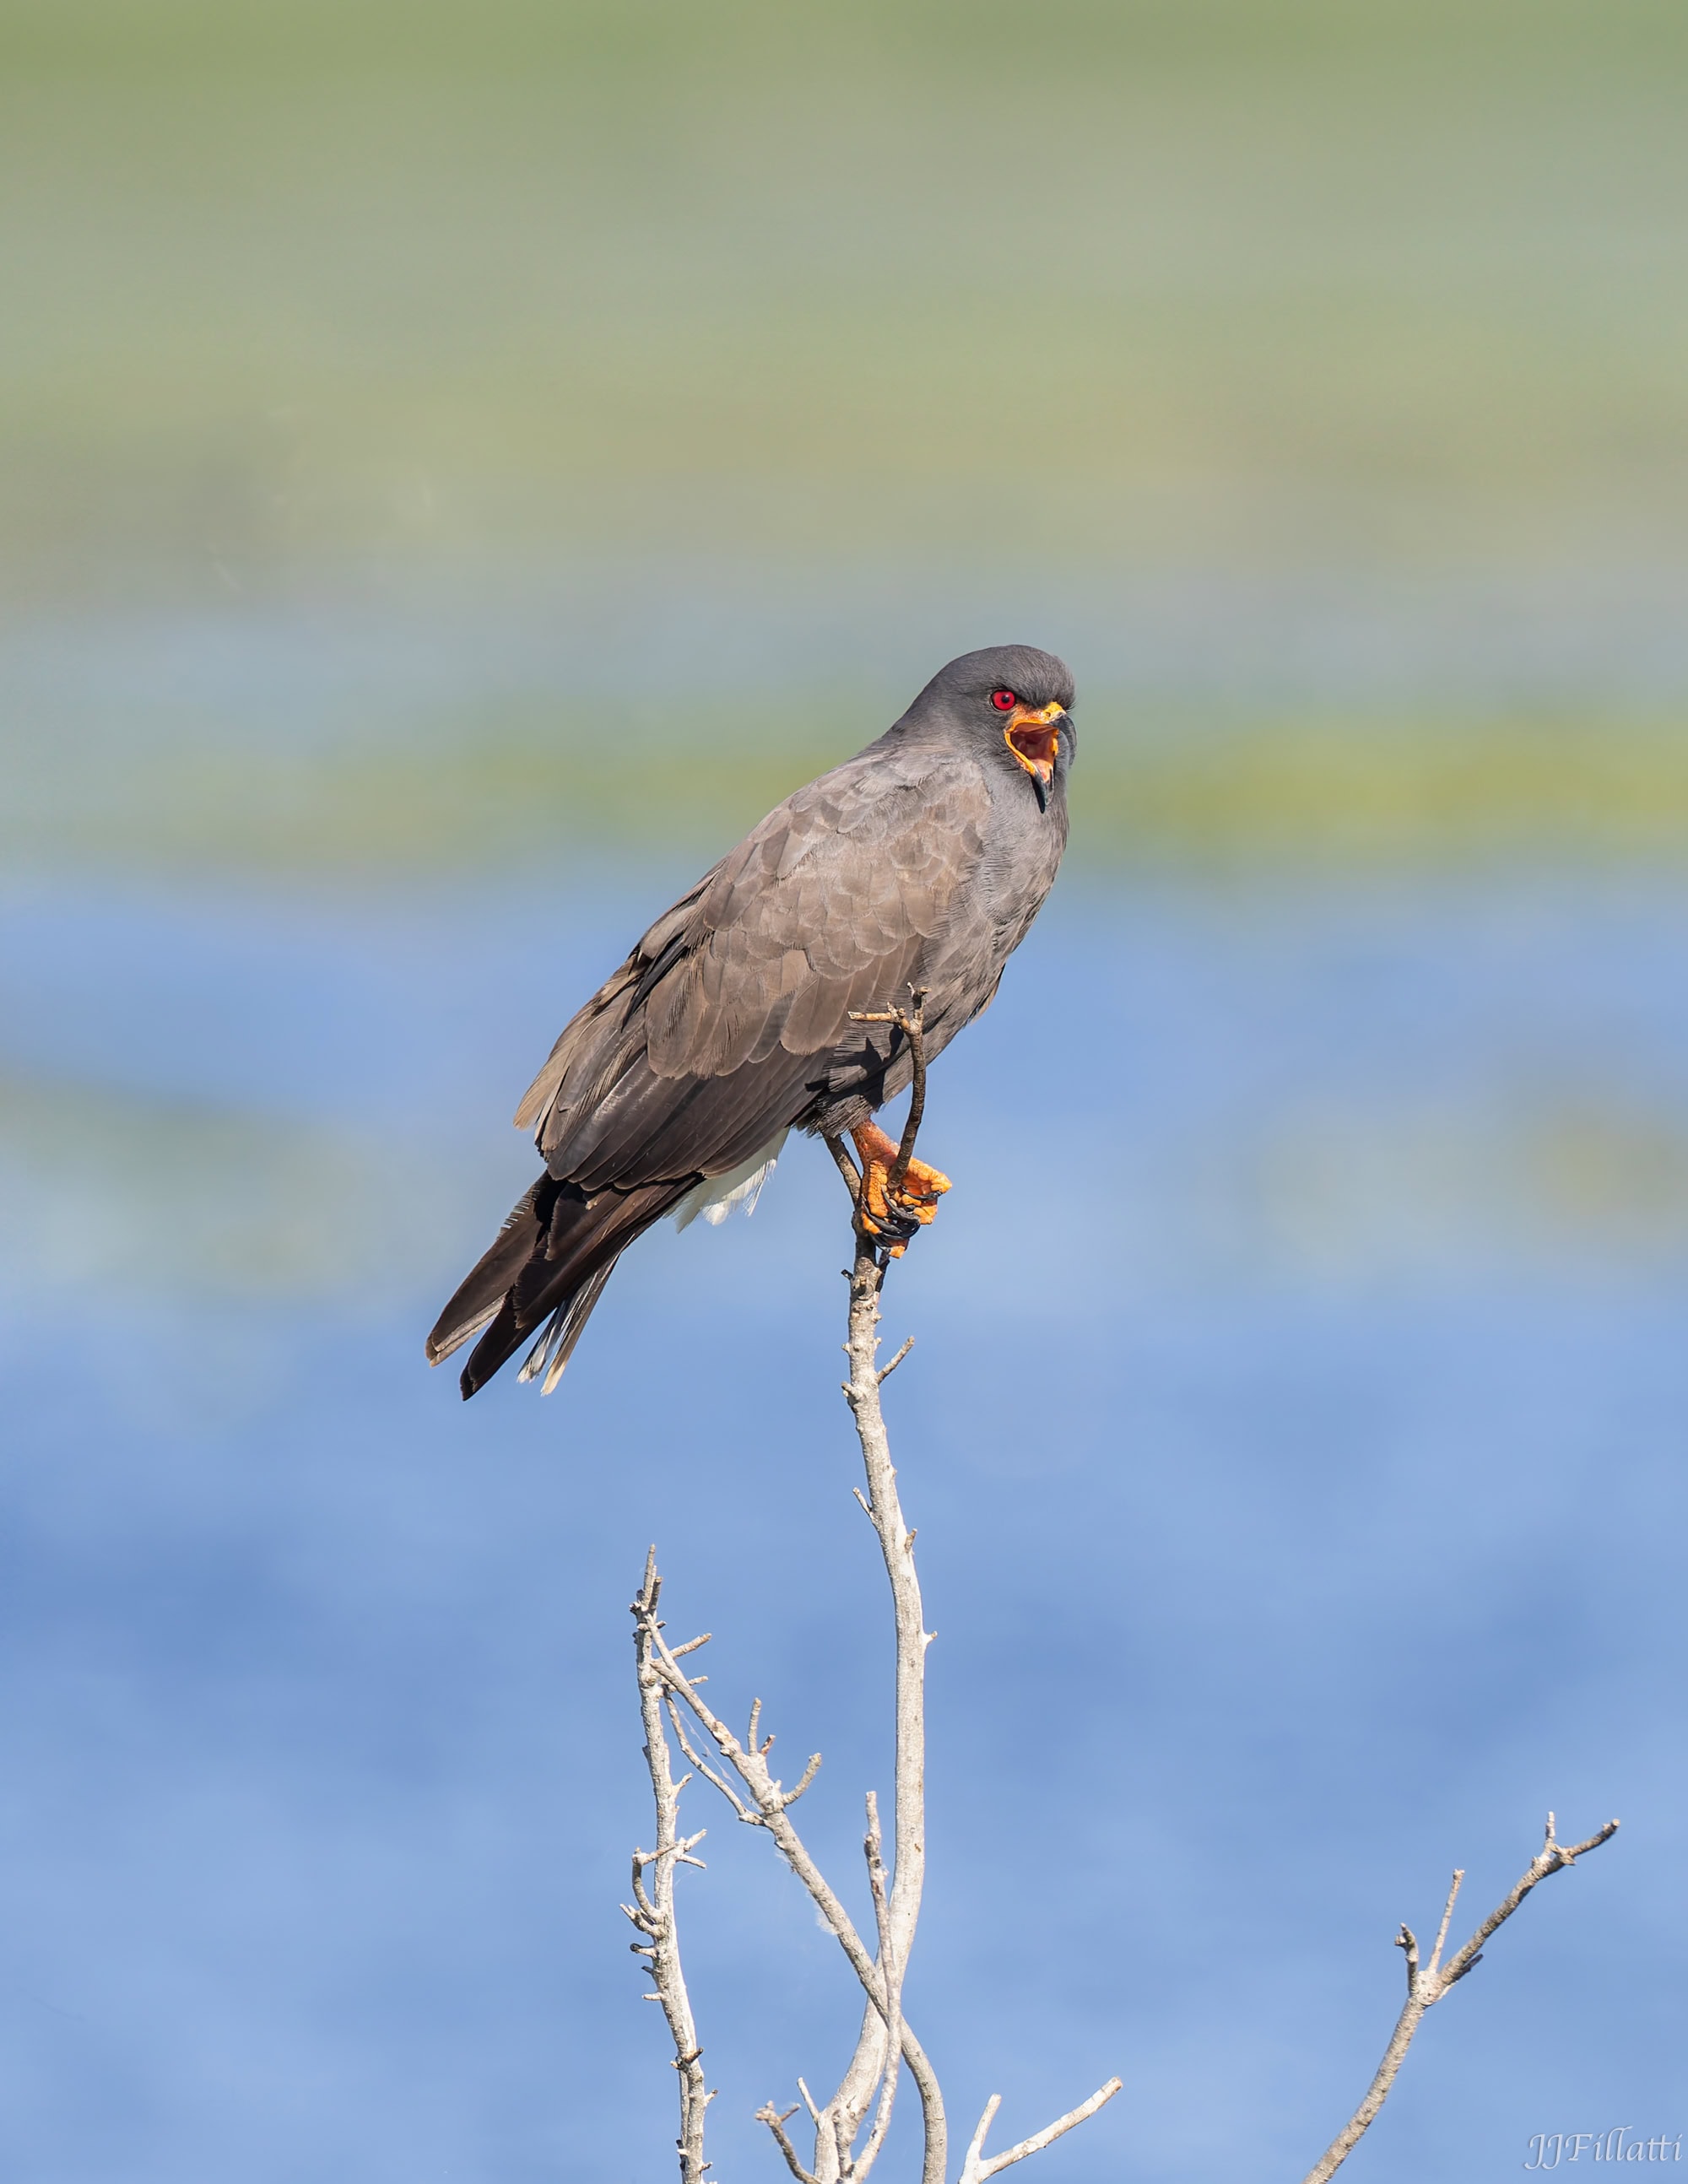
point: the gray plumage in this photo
(921, 862)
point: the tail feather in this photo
(548, 1264)
(485, 1286)
(563, 1330)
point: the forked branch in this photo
(742, 1775)
(976, 2168)
(1426, 1984)
(670, 1696)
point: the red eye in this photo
(1004, 700)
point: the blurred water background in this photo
(457, 467)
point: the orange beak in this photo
(1034, 738)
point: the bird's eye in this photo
(1004, 700)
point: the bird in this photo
(916, 867)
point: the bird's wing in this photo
(703, 1043)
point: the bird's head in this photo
(1013, 700)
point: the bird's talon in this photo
(894, 1217)
(889, 1221)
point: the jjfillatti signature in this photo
(1548, 2149)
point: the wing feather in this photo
(719, 1028)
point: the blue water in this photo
(1295, 1432)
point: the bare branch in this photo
(1427, 1985)
(892, 1975)
(971, 2159)
(652, 1910)
(1447, 1918)
(808, 1775)
(885, 2040)
(975, 2168)
(770, 1802)
(884, 2033)
(847, 1168)
(849, 2105)
(703, 1768)
(886, 1371)
(1552, 1857)
(670, 1696)
(776, 2122)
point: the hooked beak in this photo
(1033, 735)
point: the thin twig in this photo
(975, 2168)
(652, 1909)
(702, 1766)
(886, 1371)
(1426, 1985)
(1552, 1857)
(776, 2122)
(912, 1023)
(769, 1801)
(847, 1168)
(767, 1808)
(913, 1028)
(969, 2160)
(892, 1973)
(1448, 1917)
(803, 1779)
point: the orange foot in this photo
(883, 1215)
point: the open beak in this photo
(1034, 738)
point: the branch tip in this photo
(975, 2168)
(1424, 1990)
(886, 1371)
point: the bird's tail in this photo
(547, 1268)
(563, 1329)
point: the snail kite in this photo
(917, 865)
